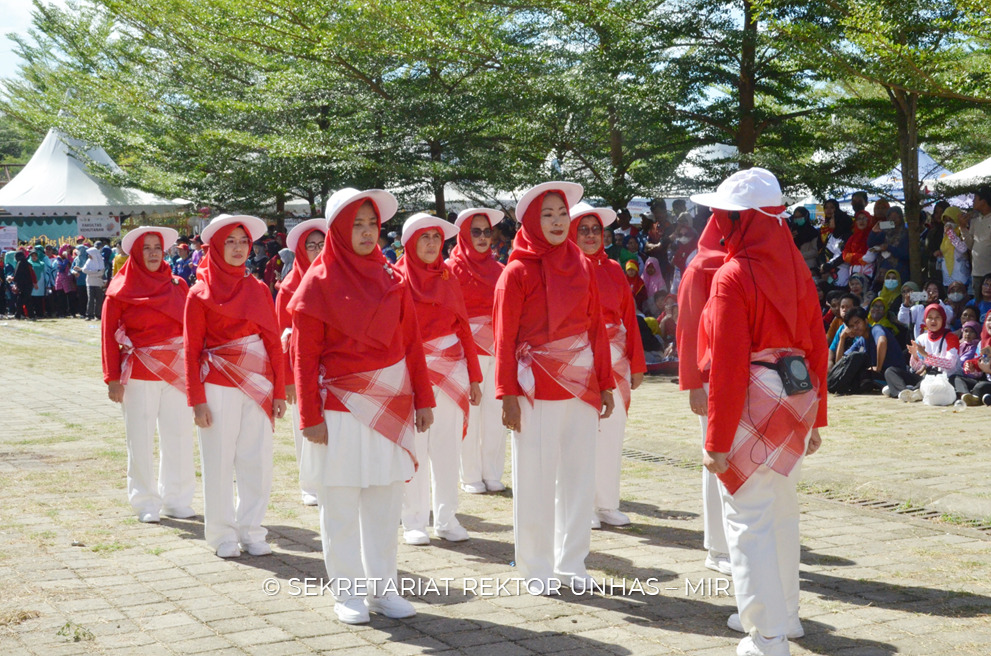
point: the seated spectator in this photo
(934, 350)
(974, 385)
(879, 314)
(654, 281)
(831, 313)
(858, 286)
(806, 238)
(636, 283)
(892, 245)
(912, 313)
(956, 299)
(956, 255)
(653, 348)
(969, 314)
(847, 303)
(982, 298)
(877, 341)
(855, 253)
(684, 244)
(181, 262)
(655, 304)
(836, 231)
(890, 287)
(609, 244)
(667, 321)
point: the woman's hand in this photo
(424, 418)
(636, 380)
(511, 415)
(316, 434)
(985, 365)
(815, 441)
(475, 394)
(716, 462)
(202, 416)
(607, 404)
(291, 393)
(698, 401)
(115, 390)
(279, 408)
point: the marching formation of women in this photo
(402, 379)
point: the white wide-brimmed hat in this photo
(494, 216)
(256, 227)
(572, 194)
(169, 236)
(605, 215)
(385, 202)
(300, 229)
(422, 220)
(750, 189)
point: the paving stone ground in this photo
(80, 575)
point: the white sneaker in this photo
(455, 533)
(390, 605)
(352, 611)
(257, 549)
(181, 512)
(542, 587)
(613, 517)
(475, 488)
(494, 485)
(886, 391)
(148, 516)
(416, 537)
(595, 522)
(795, 629)
(309, 499)
(755, 644)
(718, 562)
(228, 550)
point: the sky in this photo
(15, 16)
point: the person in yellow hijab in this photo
(956, 265)
(891, 287)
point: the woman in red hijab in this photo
(360, 373)
(142, 367)
(619, 314)
(762, 314)
(551, 350)
(454, 372)
(235, 382)
(305, 240)
(693, 292)
(483, 452)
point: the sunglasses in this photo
(479, 232)
(590, 230)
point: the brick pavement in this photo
(80, 575)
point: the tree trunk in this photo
(746, 135)
(436, 150)
(906, 108)
(616, 157)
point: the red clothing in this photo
(693, 292)
(477, 272)
(145, 326)
(316, 344)
(618, 308)
(856, 246)
(202, 332)
(284, 318)
(520, 315)
(763, 297)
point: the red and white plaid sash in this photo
(568, 361)
(621, 369)
(164, 360)
(244, 362)
(481, 330)
(449, 371)
(774, 425)
(379, 399)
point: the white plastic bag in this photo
(937, 390)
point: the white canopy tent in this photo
(975, 176)
(54, 183)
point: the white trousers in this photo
(609, 457)
(297, 435)
(483, 453)
(714, 529)
(238, 444)
(553, 463)
(358, 530)
(148, 404)
(764, 548)
(438, 451)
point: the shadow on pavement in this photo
(653, 511)
(868, 593)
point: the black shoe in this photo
(986, 399)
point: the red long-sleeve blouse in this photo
(144, 325)
(618, 308)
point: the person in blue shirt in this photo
(877, 340)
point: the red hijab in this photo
(432, 284)
(467, 262)
(711, 252)
(359, 295)
(935, 337)
(228, 290)
(985, 335)
(300, 264)
(562, 267)
(135, 284)
(612, 302)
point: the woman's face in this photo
(892, 276)
(934, 321)
(632, 245)
(314, 244)
(896, 217)
(968, 315)
(932, 292)
(877, 311)
(554, 219)
(428, 246)
(607, 241)
(589, 234)
(365, 233)
(969, 335)
(152, 252)
(856, 287)
(481, 233)
(651, 269)
(986, 288)
(829, 209)
(861, 222)
(987, 322)
(237, 246)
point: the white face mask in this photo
(683, 240)
(956, 296)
